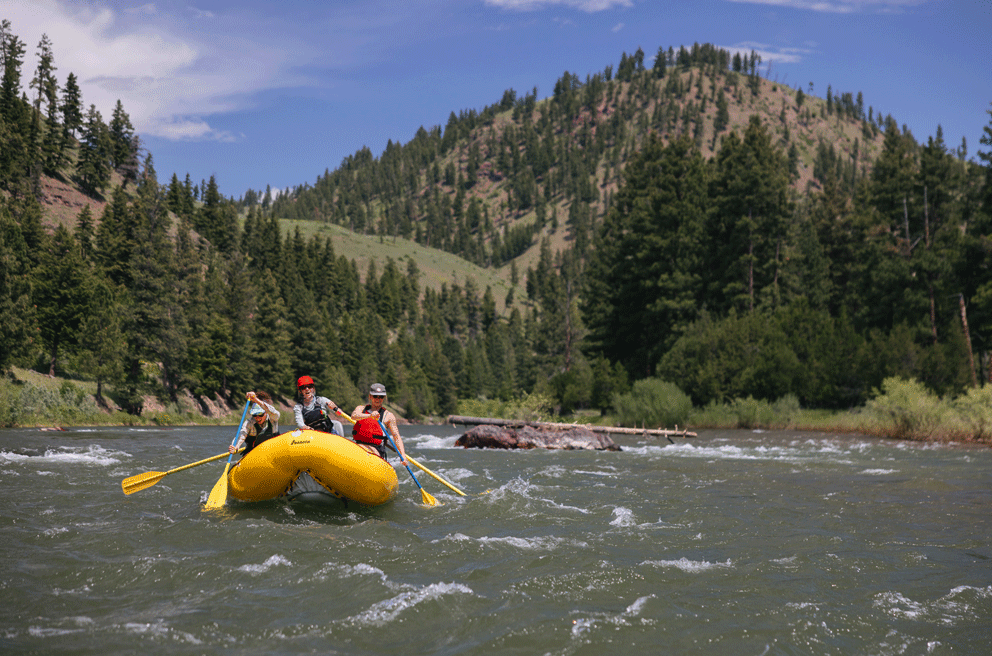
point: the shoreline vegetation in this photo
(901, 409)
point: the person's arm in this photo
(298, 413)
(270, 412)
(242, 435)
(359, 413)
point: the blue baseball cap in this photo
(257, 410)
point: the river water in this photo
(735, 542)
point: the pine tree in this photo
(71, 108)
(16, 308)
(648, 266)
(15, 114)
(101, 341)
(124, 144)
(115, 239)
(95, 153)
(44, 142)
(216, 219)
(270, 345)
(61, 294)
(750, 192)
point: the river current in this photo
(734, 542)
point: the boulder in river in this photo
(528, 437)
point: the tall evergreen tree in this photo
(647, 268)
(16, 308)
(44, 141)
(270, 345)
(72, 107)
(124, 144)
(101, 340)
(15, 114)
(61, 294)
(750, 191)
(93, 164)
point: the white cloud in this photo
(171, 72)
(769, 54)
(588, 6)
(840, 6)
(617, 28)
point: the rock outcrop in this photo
(528, 437)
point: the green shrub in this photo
(786, 409)
(531, 407)
(752, 412)
(652, 403)
(913, 411)
(974, 410)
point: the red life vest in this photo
(367, 431)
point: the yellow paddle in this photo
(141, 481)
(218, 495)
(420, 466)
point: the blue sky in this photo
(274, 93)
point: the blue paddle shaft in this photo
(238, 431)
(389, 438)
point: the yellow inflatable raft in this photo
(306, 462)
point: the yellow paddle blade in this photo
(218, 495)
(427, 498)
(141, 481)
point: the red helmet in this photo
(304, 380)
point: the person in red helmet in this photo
(315, 412)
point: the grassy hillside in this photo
(435, 266)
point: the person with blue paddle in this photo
(375, 427)
(372, 421)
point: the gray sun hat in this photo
(377, 389)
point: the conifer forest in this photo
(688, 220)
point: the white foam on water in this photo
(631, 612)
(955, 608)
(797, 451)
(162, 630)
(93, 454)
(623, 517)
(428, 441)
(880, 472)
(360, 570)
(42, 632)
(271, 562)
(785, 562)
(586, 472)
(387, 610)
(690, 566)
(543, 543)
(519, 487)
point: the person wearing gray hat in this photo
(260, 426)
(367, 417)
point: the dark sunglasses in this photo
(378, 396)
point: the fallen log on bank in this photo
(488, 421)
